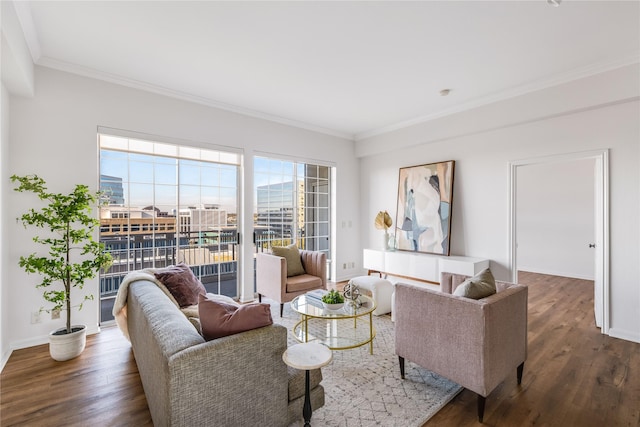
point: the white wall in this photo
(555, 218)
(54, 135)
(598, 112)
(4, 243)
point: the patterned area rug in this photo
(364, 390)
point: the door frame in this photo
(601, 212)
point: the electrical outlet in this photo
(35, 317)
(344, 266)
(55, 314)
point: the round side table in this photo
(307, 356)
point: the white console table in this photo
(425, 267)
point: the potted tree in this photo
(72, 255)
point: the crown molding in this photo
(68, 67)
(555, 80)
(23, 11)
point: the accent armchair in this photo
(272, 281)
(475, 343)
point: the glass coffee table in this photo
(342, 329)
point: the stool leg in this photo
(306, 410)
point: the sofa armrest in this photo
(271, 276)
(315, 264)
(220, 381)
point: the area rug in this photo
(366, 390)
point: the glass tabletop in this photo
(313, 308)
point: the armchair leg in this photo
(259, 297)
(281, 309)
(520, 369)
(401, 360)
(481, 402)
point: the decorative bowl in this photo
(337, 306)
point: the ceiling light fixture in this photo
(554, 3)
(445, 92)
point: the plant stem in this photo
(67, 284)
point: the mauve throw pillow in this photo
(219, 319)
(292, 255)
(479, 286)
(182, 283)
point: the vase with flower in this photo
(383, 222)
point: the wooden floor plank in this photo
(574, 375)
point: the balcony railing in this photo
(214, 264)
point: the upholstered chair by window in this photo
(281, 281)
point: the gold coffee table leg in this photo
(371, 333)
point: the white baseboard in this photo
(624, 334)
(346, 277)
(43, 339)
(5, 359)
(555, 273)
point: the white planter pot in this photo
(67, 346)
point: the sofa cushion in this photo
(193, 315)
(219, 319)
(304, 282)
(296, 381)
(479, 286)
(181, 283)
(292, 255)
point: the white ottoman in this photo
(379, 289)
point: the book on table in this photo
(316, 294)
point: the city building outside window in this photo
(164, 204)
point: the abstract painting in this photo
(423, 220)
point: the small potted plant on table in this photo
(73, 255)
(333, 300)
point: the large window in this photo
(164, 204)
(292, 205)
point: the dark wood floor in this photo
(574, 376)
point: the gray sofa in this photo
(232, 381)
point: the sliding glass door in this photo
(165, 204)
(292, 205)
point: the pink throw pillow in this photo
(219, 319)
(182, 283)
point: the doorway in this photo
(598, 160)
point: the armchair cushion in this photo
(303, 283)
(292, 255)
(479, 286)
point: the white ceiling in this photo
(351, 69)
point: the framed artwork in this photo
(423, 219)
